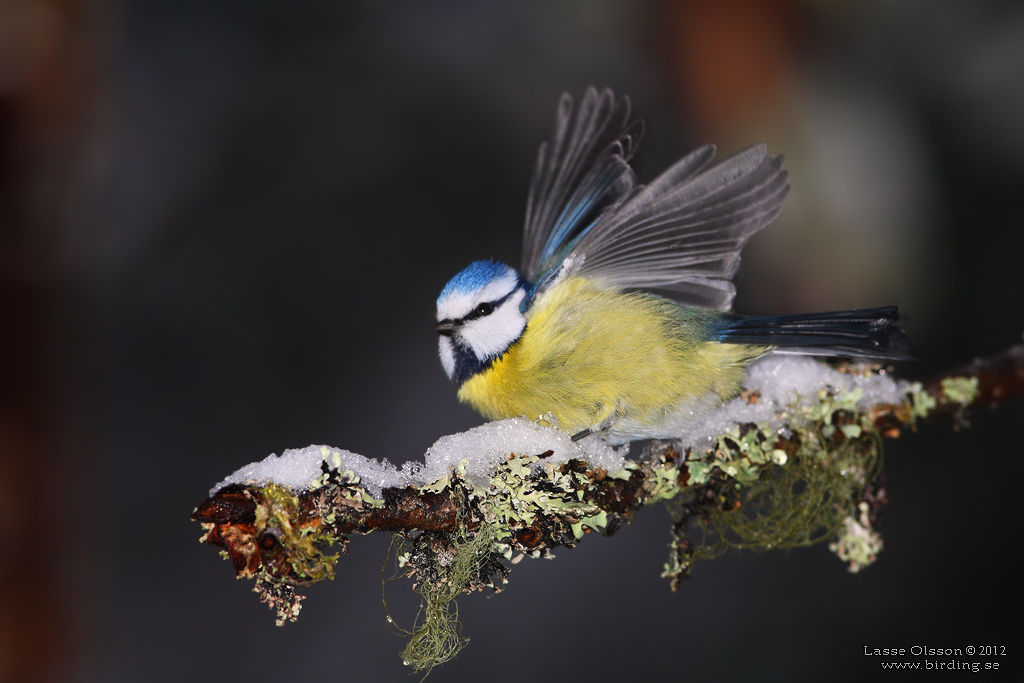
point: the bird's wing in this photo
(682, 234)
(582, 173)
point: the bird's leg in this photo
(605, 425)
(582, 435)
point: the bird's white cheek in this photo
(447, 354)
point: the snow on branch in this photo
(793, 460)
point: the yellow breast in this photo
(589, 352)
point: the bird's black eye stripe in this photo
(486, 308)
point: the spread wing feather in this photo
(582, 172)
(680, 235)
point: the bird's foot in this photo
(605, 425)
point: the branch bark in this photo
(983, 384)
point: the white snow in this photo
(491, 443)
(482, 447)
(783, 382)
(786, 379)
(297, 468)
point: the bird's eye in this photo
(483, 309)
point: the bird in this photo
(619, 322)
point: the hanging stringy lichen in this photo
(764, 488)
(460, 566)
(804, 502)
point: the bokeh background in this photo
(223, 225)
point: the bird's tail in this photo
(866, 333)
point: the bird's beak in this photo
(448, 327)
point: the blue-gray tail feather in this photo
(865, 333)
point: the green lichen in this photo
(763, 488)
(302, 539)
(663, 480)
(333, 476)
(523, 489)
(808, 477)
(554, 501)
(797, 505)
(921, 403)
(437, 637)
(279, 596)
(961, 390)
(741, 453)
(859, 544)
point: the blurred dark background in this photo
(223, 226)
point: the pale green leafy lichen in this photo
(519, 491)
(279, 596)
(962, 390)
(859, 544)
(921, 402)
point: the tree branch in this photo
(811, 476)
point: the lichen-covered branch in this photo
(809, 472)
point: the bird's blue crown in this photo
(474, 276)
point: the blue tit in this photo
(619, 321)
